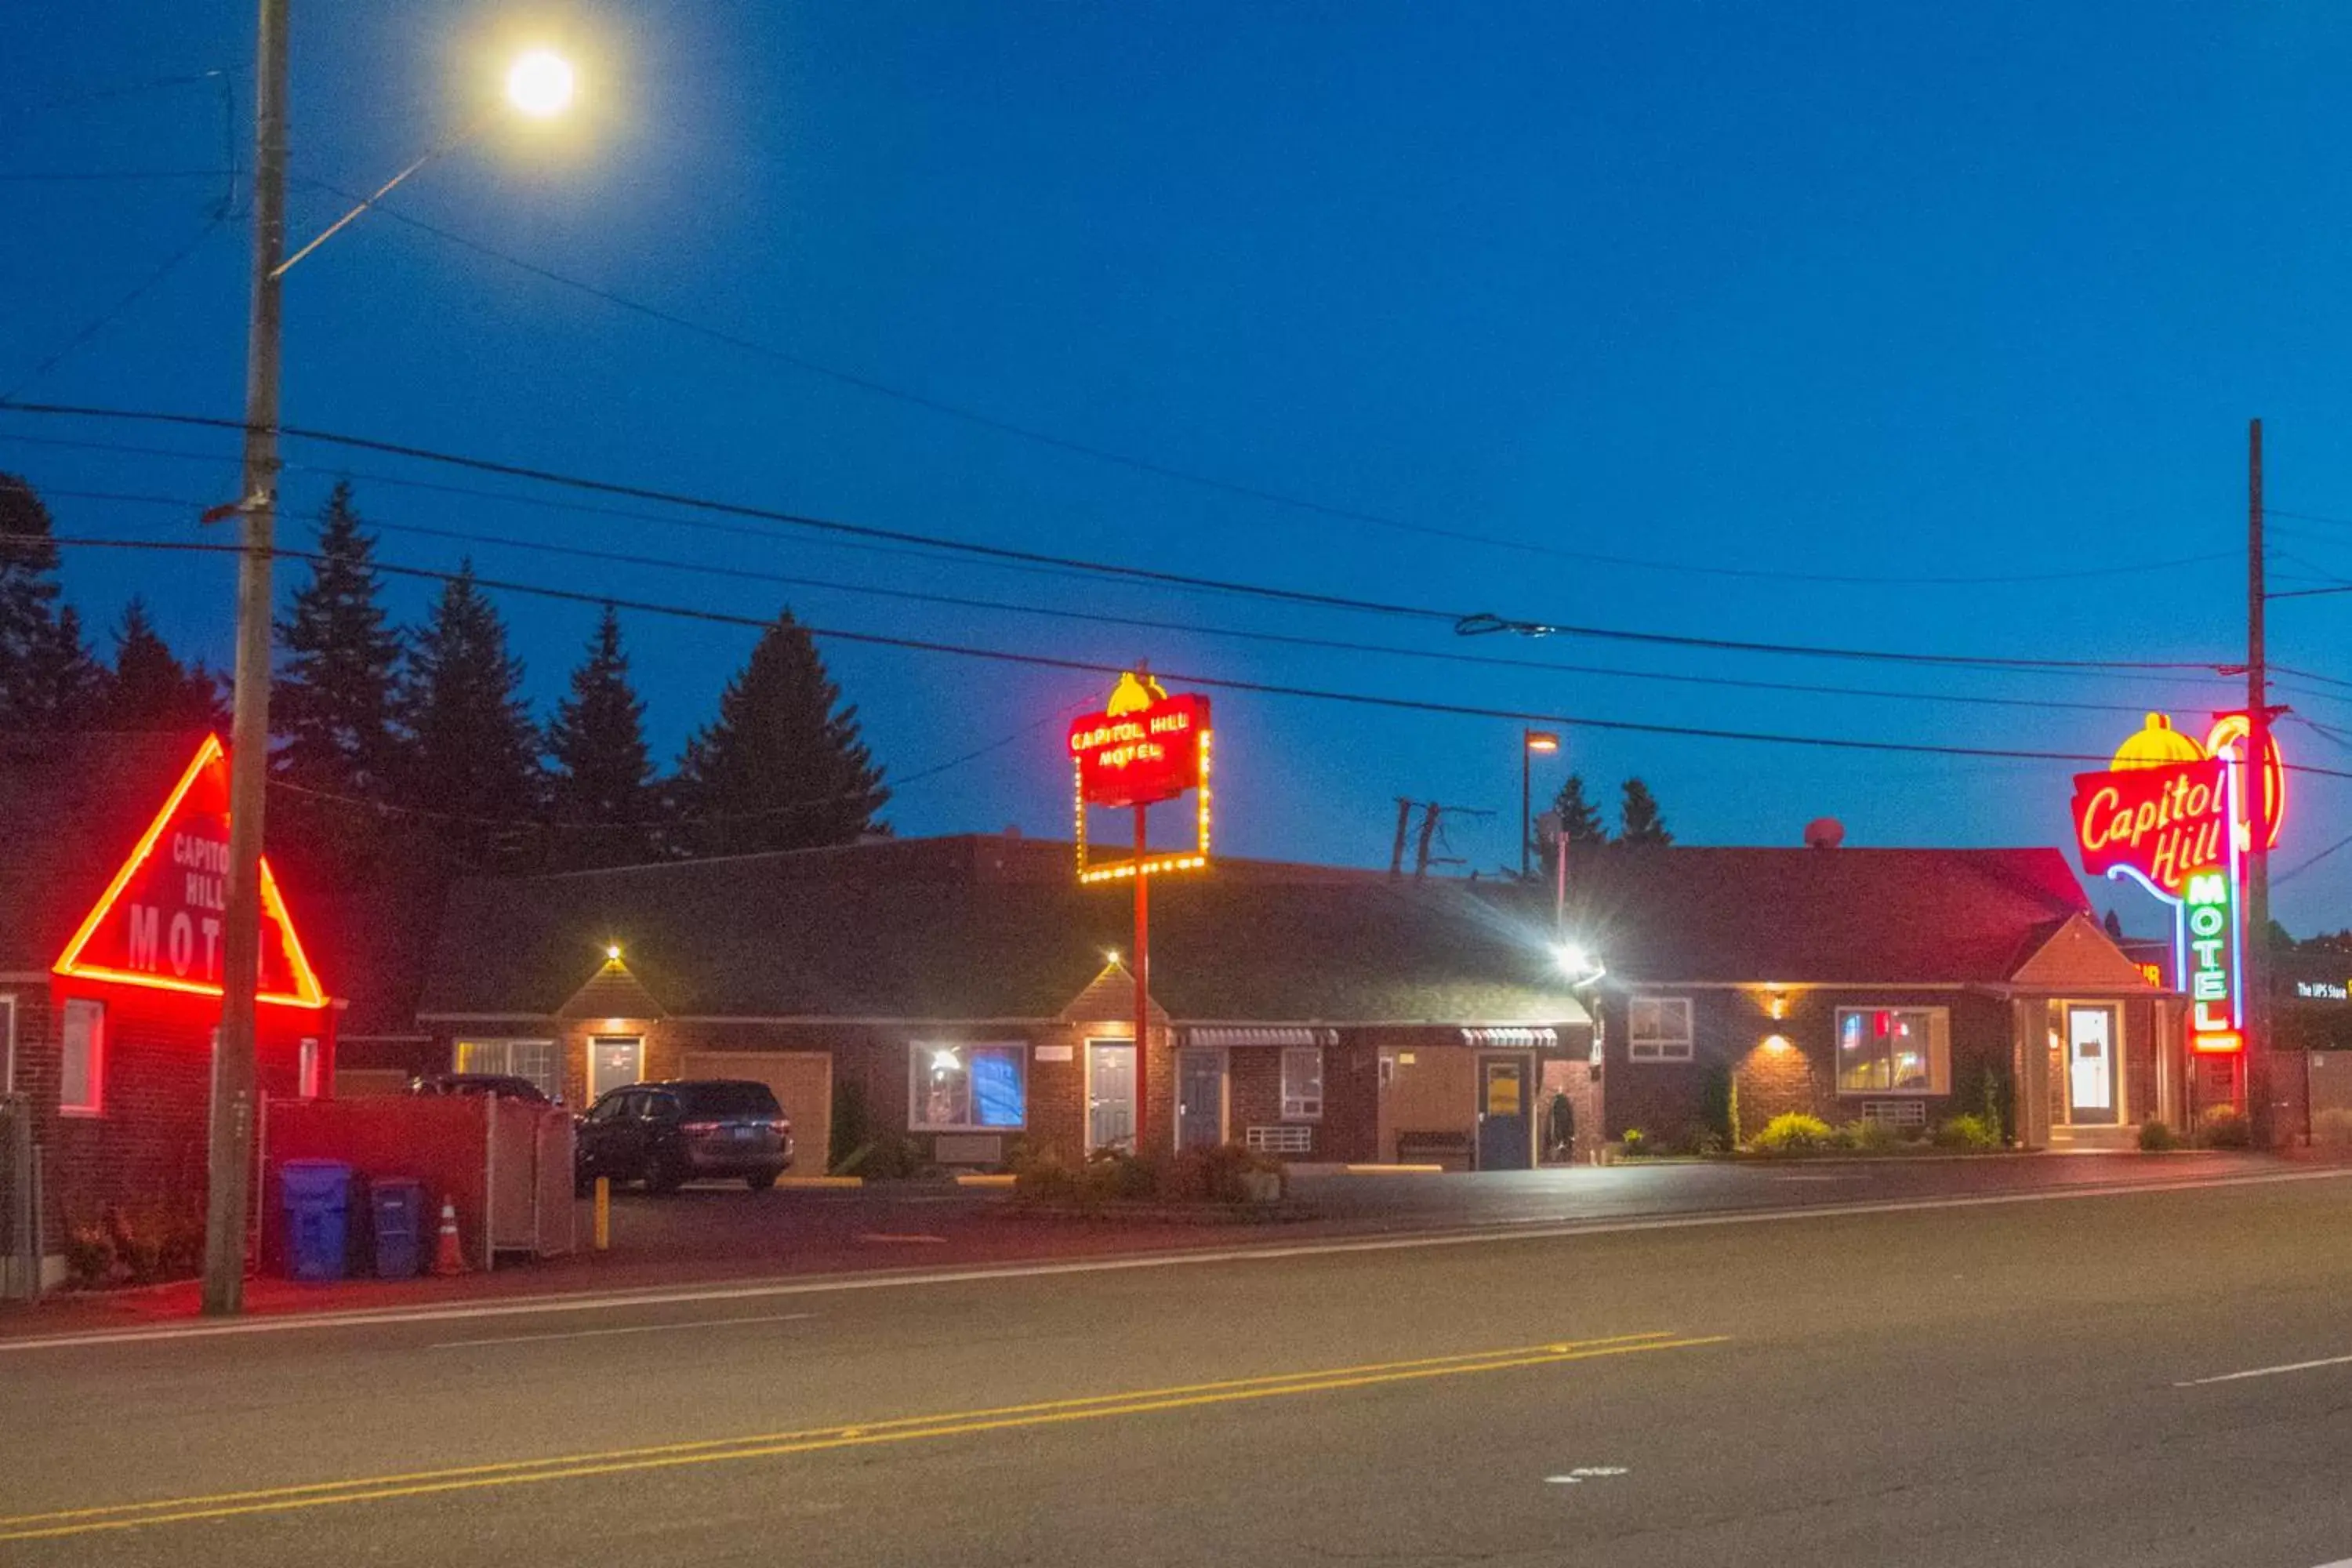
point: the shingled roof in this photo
(1801, 916)
(987, 928)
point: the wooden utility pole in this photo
(229, 1141)
(2255, 777)
(1404, 824)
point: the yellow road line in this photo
(381, 1489)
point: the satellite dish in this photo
(1824, 833)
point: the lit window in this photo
(1658, 1029)
(1893, 1050)
(966, 1089)
(532, 1060)
(81, 1078)
(1302, 1083)
(305, 1070)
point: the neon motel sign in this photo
(2169, 814)
(1143, 748)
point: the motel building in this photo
(969, 996)
(110, 905)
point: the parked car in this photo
(665, 1134)
(506, 1086)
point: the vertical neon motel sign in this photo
(2171, 816)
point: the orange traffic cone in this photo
(449, 1258)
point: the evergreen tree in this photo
(62, 686)
(603, 770)
(150, 690)
(475, 752)
(2114, 926)
(1580, 822)
(333, 708)
(28, 592)
(782, 767)
(1638, 818)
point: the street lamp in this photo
(538, 85)
(1530, 743)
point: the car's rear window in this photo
(727, 1099)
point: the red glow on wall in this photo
(159, 924)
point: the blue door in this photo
(1200, 1098)
(1505, 1127)
(1110, 1096)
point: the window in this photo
(81, 1078)
(534, 1060)
(1302, 1083)
(967, 1089)
(1658, 1029)
(305, 1070)
(1893, 1050)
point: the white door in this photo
(614, 1061)
(1110, 1095)
(2091, 1065)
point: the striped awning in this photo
(1259, 1035)
(1513, 1036)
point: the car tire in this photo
(761, 1182)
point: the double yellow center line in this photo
(672, 1455)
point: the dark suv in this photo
(664, 1134)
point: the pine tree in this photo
(603, 770)
(28, 592)
(150, 690)
(62, 686)
(1580, 822)
(333, 706)
(782, 767)
(2114, 926)
(1639, 821)
(475, 757)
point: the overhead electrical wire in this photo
(1142, 623)
(1477, 620)
(1191, 477)
(1213, 682)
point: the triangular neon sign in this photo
(159, 923)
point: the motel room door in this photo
(1506, 1110)
(2093, 1066)
(1111, 1094)
(614, 1061)
(1200, 1098)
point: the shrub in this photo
(2332, 1129)
(1793, 1132)
(1718, 1106)
(2156, 1137)
(1219, 1174)
(1635, 1142)
(1040, 1172)
(1967, 1131)
(1698, 1139)
(89, 1255)
(886, 1157)
(2225, 1127)
(1872, 1137)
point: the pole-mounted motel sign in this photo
(2172, 816)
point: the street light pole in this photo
(1530, 743)
(229, 1154)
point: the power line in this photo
(1191, 477)
(1471, 621)
(1142, 623)
(109, 176)
(1214, 682)
(115, 311)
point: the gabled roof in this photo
(1802, 916)
(993, 929)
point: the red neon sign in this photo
(1141, 755)
(159, 923)
(2161, 823)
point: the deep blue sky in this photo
(1857, 289)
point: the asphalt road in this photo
(2019, 1383)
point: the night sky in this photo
(1809, 290)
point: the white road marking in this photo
(1482, 1236)
(632, 1328)
(2275, 1371)
(1583, 1473)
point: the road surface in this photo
(2145, 1377)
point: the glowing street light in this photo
(539, 84)
(1579, 962)
(1531, 741)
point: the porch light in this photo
(612, 951)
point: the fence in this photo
(20, 1201)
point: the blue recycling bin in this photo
(317, 1197)
(397, 1204)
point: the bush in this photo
(1793, 1132)
(1872, 1137)
(1967, 1131)
(1635, 1142)
(2156, 1136)
(2332, 1129)
(1040, 1172)
(89, 1255)
(2225, 1127)
(1219, 1174)
(886, 1157)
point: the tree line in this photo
(391, 742)
(1574, 818)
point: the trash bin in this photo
(317, 1196)
(398, 1205)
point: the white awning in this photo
(1513, 1036)
(1259, 1035)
